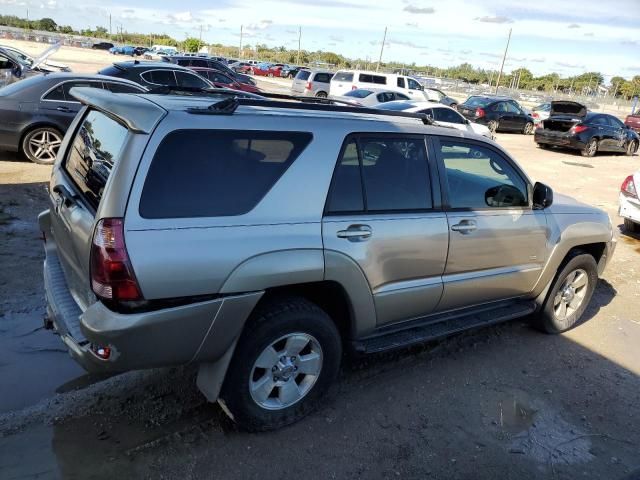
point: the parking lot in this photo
(505, 401)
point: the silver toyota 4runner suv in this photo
(261, 239)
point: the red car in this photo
(222, 80)
(267, 69)
(633, 121)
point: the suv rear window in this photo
(227, 172)
(303, 75)
(93, 153)
(343, 77)
(322, 77)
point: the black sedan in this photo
(497, 113)
(156, 74)
(570, 125)
(203, 62)
(37, 111)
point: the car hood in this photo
(563, 204)
(565, 107)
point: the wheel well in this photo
(330, 296)
(594, 249)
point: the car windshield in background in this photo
(343, 77)
(477, 101)
(396, 106)
(360, 93)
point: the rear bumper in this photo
(560, 139)
(629, 208)
(197, 332)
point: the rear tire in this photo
(590, 149)
(321, 94)
(41, 145)
(268, 385)
(569, 295)
(493, 126)
(528, 128)
(631, 226)
(632, 147)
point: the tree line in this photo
(586, 83)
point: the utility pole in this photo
(384, 39)
(504, 57)
(299, 40)
(200, 39)
(110, 33)
(240, 49)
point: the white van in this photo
(346, 80)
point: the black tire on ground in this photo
(546, 319)
(590, 149)
(544, 146)
(321, 94)
(290, 76)
(493, 126)
(632, 147)
(454, 106)
(631, 226)
(49, 137)
(270, 322)
(528, 128)
(270, 75)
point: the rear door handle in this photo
(356, 232)
(465, 226)
(63, 109)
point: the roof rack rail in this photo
(177, 89)
(213, 109)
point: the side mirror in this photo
(542, 196)
(17, 70)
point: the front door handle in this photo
(465, 226)
(356, 232)
(63, 109)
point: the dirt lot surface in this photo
(503, 402)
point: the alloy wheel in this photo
(43, 145)
(285, 371)
(571, 294)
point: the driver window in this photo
(480, 178)
(413, 85)
(5, 63)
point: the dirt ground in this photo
(503, 402)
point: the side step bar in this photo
(434, 327)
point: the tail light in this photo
(628, 188)
(480, 112)
(578, 129)
(112, 276)
(308, 86)
(535, 115)
(354, 87)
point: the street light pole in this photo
(240, 49)
(504, 57)
(299, 40)
(384, 39)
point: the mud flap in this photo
(211, 374)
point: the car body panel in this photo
(629, 206)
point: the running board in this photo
(439, 326)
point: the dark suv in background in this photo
(497, 113)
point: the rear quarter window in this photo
(343, 77)
(226, 173)
(93, 153)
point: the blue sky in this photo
(563, 36)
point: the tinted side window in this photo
(395, 174)
(227, 172)
(346, 188)
(600, 120)
(199, 63)
(446, 115)
(121, 88)
(479, 177)
(322, 77)
(160, 77)
(184, 62)
(413, 85)
(343, 77)
(401, 96)
(615, 122)
(185, 79)
(500, 107)
(57, 94)
(513, 108)
(78, 83)
(401, 82)
(218, 77)
(93, 153)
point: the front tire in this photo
(632, 147)
(631, 226)
(493, 126)
(287, 357)
(569, 295)
(590, 149)
(41, 145)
